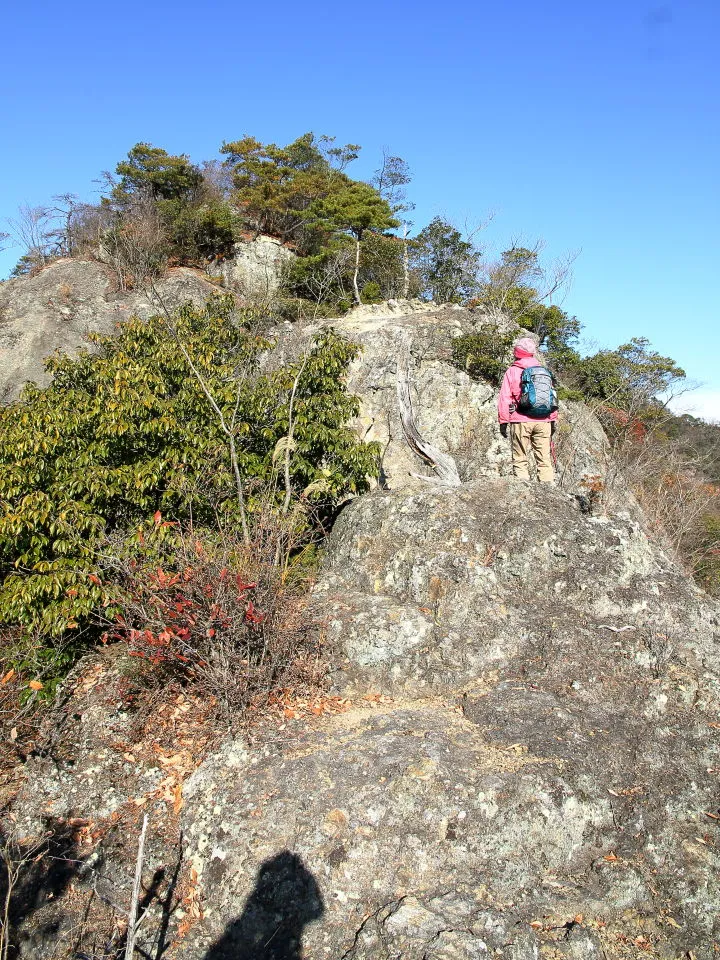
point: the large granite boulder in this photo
(425, 589)
(524, 764)
(255, 269)
(527, 817)
(533, 770)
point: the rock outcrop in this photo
(538, 775)
(255, 268)
(426, 589)
(453, 412)
(56, 309)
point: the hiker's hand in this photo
(503, 430)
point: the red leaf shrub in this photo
(216, 614)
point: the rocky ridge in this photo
(536, 773)
(524, 758)
(544, 749)
(454, 412)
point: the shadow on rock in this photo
(286, 897)
(33, 872)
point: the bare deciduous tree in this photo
(519, 279)
(62, 216)
(136, 245)
(329, 278)
(390, 180)
(217, 179)
(33, 230)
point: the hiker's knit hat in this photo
(525, 347)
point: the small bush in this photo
(564, 393)
(483, 355)
(371, 293)
(136, 246)
(707, 553)
(382, 264)
(207, 609)
(322, 279)
(199, 234)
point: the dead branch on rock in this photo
(133, 922)
(442, 463)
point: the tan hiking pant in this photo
(535, 434)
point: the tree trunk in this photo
(357, 270)
(229, 431)
(406, 264)
(132, 913)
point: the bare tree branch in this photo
(227, 429)
(132, 913)
(291, 430)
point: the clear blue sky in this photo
(592, 126)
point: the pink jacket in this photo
(510, 391)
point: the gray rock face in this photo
(418, 832)
(255, 269)
(395, 815)
(426, 589)
(57, 308)
(453, 412)
(539, 780)
(67, 300)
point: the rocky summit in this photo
(56, 308)
(523, 756)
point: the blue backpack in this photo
(538, 397)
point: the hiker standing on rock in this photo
(528, 404)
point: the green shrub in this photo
(323, 277)
(382, 265)
(565, 393)
(127, 431)
(371, 293)
(707, 553)
(198, 234)
(483, 355)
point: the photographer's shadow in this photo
(286, 897)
